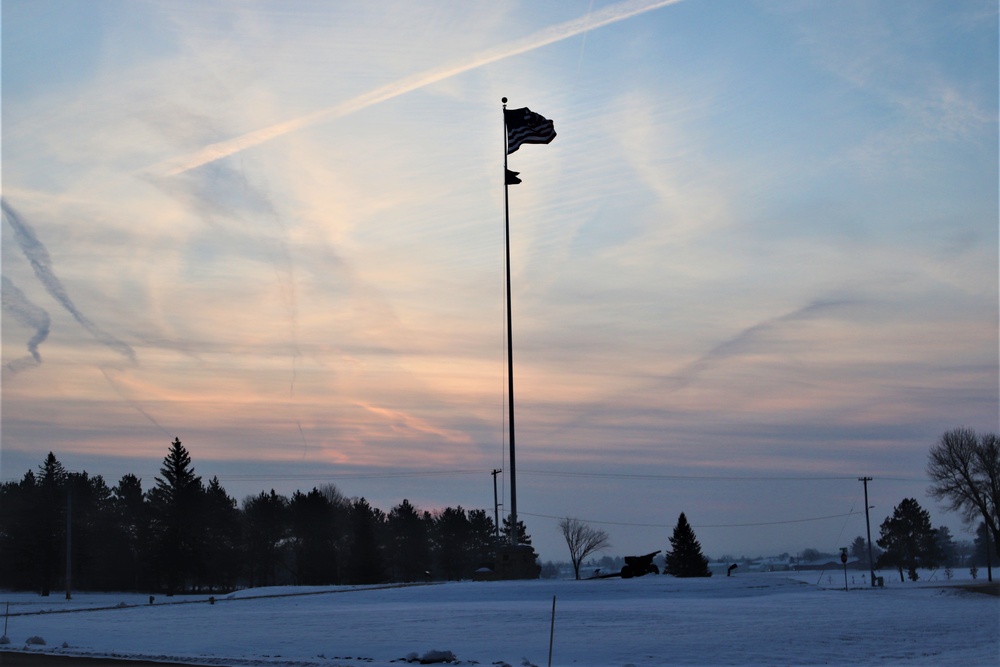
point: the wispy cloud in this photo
(551, 35)
(230, 192)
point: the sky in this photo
(758, 262)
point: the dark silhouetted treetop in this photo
(522, 532)
(177, 526)
(908, 539)
(685, 559)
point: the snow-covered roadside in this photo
(750, 619)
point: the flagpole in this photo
(510, 342)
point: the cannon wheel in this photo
(626, 572)
(653, 569)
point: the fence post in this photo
(552, 628)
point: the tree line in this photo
(964, 468)
(184, 535)
(61, 529)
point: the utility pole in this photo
(69, 535)
(868, 525)
(496, 511)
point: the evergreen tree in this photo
(408, 549)
(365, 562)
(266, 526)
(49, 510)
(908, 539)
(131, 514)
(685, 558)
(522, 531)
(95, 534)
(984, 551)
(20, 536)
(223, 538)
(176, 525)
(859, 549)
(945, 546)
(482, 538)
(314, 535)
(340, 506)
(452, 535)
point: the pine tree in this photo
(985, 550)
(50, 520)
(175, 508)
(685, 558)
(131, 514)
(266, 527)
(452, 534)
(365, 561)
(314, 534)
(522, 531)
(223, 538)
(482, 537)
(20, 535)
(408, 547)
(908, 539)
(95, 533)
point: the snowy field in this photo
(748, 619)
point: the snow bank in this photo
(758, 619)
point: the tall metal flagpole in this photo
(510, 344)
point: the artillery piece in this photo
(637, 566)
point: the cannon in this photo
(637, 566)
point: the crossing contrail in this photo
(133, 403)
(556, 33)
(16, 304)
(36, 253)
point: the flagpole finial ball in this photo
(504, 100)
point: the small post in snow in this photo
(552, 628)
(843, 559)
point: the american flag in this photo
(524, 126)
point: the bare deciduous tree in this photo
(965, 469)
(582, 541)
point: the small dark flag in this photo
(524, 126)
(512, 178)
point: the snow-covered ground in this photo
(748, 619)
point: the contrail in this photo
(748, 337)
(305, 445)
(557, 33)
(134, 404)
(583, 47)
(16, 304)
(40, 261)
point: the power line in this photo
(381, 475)
(543, 473)
(703, 478)
(723, 525)
(715, 478)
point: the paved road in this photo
(987, 588)
(26, 659)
